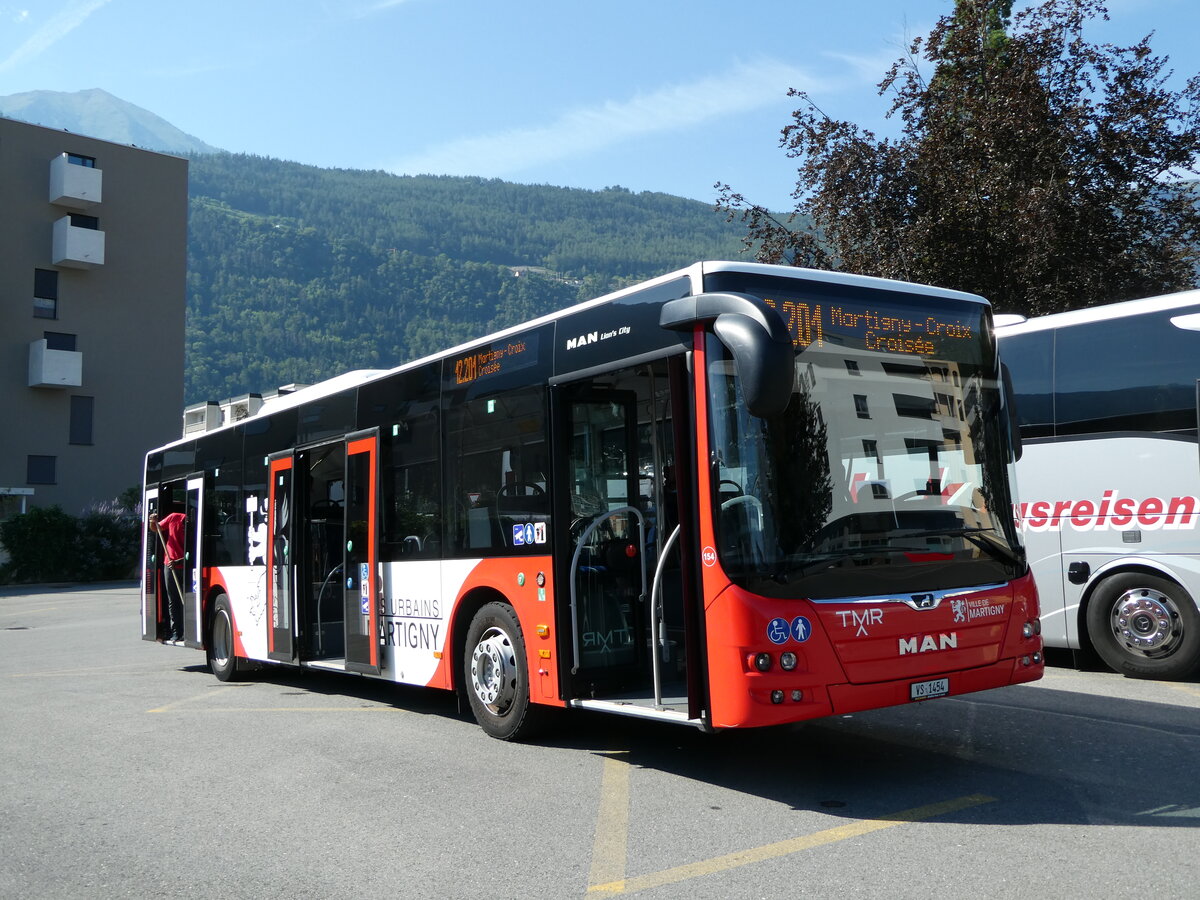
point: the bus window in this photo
(404, 406)
(412, 524)
(221, 458)
(1131, 374)
(1030, 358)
(497, 469)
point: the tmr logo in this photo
(927, 643)
(583, 340)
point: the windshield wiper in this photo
(983, 538)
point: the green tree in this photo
(1033, 167)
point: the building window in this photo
(45, 294)
(40, 470)
(852, 367)
(81, 419)
(81, 221)
(860, 406)
(86, 161)
(57, 340)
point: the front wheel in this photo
(221, 658)
(496, 675)
(1145, 627)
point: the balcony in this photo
(77, 246)
(204, 416)
(72, 185)
(54, 368)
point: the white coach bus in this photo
(1109, 481)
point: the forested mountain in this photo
(297, 273)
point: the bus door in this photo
(281, 569)
(621, 567)
(151, 571)
(360, 567)
(319, 550)
(193, 562)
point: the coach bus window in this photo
(497, 473)
(1030, 358)
(1130, 374)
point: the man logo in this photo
(923, 601)
(583, 340)
(927, 642)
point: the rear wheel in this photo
(1145, 626)
(496, 675)
(221, 659)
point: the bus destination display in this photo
(875, 327)
(499, 358)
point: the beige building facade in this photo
(93, 264)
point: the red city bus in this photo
(735, 495)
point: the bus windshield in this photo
(887, 472)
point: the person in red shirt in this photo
(170, 531)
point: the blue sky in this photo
(661, 95)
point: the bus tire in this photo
(1144, 626)
(496, 675)
(221, 658)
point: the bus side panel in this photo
(424, 608)
(517, 579)
(415, 625)
(1098, 501)
(246, 588)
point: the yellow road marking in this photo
(785, 848)
(121, 669)
(288, 709)
(1186, 688)
(611, 844)
(26, 612)
(178, 703)
(171, 707)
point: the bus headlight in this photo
(762, 662)
(787, 660)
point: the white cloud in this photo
(584, 131)
(56, 28)
(377, 7)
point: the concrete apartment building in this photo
(93, 262)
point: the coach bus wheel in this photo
(1145, 627)
(221, 659)
(496, 676)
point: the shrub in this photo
(40, 545)
(47, 544)
(109, 540)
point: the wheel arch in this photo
(1133, 566)
(215, 589)
(464, 612)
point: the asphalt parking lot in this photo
(128, 770)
